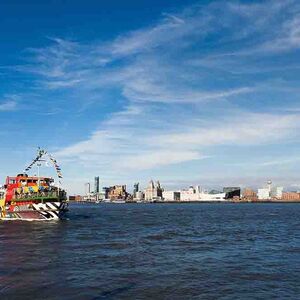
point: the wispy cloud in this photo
(287, 39)
(9, 103)
(280, 161)
(158, 54)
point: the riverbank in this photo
(190, 202)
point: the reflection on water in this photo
(157, 251)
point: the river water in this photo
(155, 251)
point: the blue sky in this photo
(186, 92)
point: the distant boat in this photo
(106, 200)
(118, 201)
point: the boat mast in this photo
(38, 172)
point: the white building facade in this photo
(171, 196)
(197, 194)
(276, 192)
(263, 194)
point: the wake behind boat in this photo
(30, 198)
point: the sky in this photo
(185, 92)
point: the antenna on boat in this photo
(39, 164)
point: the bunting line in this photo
(42, 153)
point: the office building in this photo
(96, 185)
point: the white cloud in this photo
(8, 105)
(246, 129)
(121, 147)
(156, 158)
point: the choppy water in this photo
(155, 251)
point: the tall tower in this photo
(269, 183)
(96, 185)
(87, 188)
(135, 189)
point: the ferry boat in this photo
(31, 198)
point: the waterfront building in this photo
(153, 191)
(263, 194)
(270, 192)
(90, 197)
(117, 192)
(249, 195)
(192, 194)
(232, 192)
(214, 192)
(76, 198)
(291, 196)
(139, 196)
(197, 194)
(171, 196)
(102, 194)
(276, 192)
(105, 192)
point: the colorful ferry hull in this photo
(35, 212)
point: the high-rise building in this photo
(96, 185)
(135, 189)
(87, 188)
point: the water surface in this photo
(155, 251)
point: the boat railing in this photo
(52, 194)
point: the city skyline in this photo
(141, 186)
(154, 192)
(197, 92)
